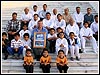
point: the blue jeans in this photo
(11, 50)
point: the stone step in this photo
(82, 56)
(82, 62)
(55, 70)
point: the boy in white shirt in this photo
(16, 46)
(25, 17)
(78, 17)
(60, 22)
(48, 22)
(33, 23)
(23, 31)
(86, 34)
(52, 40)
(73, 46)
(26, 43)
(94, 27)
(61, 44)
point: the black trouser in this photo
(52, 46)
(45, 68)
(10, 37)
(95, 36)
(60, 68)
(37, 52)
(28, 68)
(4, 50)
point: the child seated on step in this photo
(16, 46)
(5, 44)
(52, 40)
(73, 46)
(28, 62)
(61, 43)
(45, 61)
(23, 31)
(62, 62)
(86, 34)
(26, 43)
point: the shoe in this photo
(23, 58)
(6, 56)
(72, 58)
(13, 56)
(95, 52)
(80, 51)
(77, 58)
(17, 57)
(84, 51)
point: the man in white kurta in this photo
(34, 11)
(94, 27)
(33, 23)
(61, 44)
(42, 13)
(86, 34)
(78, 17)
(26, 17)
(60, 22)
(72, 27)
(48, 22)
(54, 15)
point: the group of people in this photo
(65, 33)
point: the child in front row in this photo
(28, 62)
(61, 62)
(73, 46)
(45, 61)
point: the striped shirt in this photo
(16, 44)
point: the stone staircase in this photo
(88, 64)
(19, 7)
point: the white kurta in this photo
(94, 27)
(73, 28)
(64, 42)
(50, 36)
(61, 24)
(22, 32)
(48, 23)
(54, 17)
(42, 13)
(31, 24)
(74, 49)
(26, 43)
(26, 16)
(78, 17)
(34, 12)
(87, 32)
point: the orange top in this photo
(28, 59)
(45, 59)
(62, 61)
